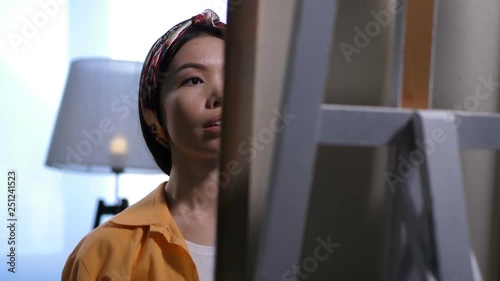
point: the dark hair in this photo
(161, 154)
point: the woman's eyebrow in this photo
(191, 65)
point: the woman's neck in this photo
(192, 177)
(192, 191)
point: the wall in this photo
(467, 51)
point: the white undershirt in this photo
(204, 259)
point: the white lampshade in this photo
(98, 126)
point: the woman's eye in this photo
(192, 81)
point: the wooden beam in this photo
(240, 57)
(418, 53)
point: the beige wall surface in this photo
(467, 52)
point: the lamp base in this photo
(102, 209)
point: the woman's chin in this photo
(213, 149)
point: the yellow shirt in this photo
(142, 243)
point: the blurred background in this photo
(56, 208)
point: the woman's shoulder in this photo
(109, 239)
(113, 245)
(110, 236)
(127, 226)
(109, 247)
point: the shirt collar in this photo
(152, 211)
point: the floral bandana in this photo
(149, 90)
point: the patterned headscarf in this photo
(151, 76)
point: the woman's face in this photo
(192, 97)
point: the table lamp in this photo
(97, 128)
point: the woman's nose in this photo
(217, 95)
(215, 102)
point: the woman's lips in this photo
(215, 119)
(213, 129)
